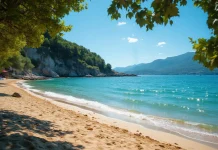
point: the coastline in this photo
(145, 121)
(135, 130)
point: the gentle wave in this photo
(27, 86)
(165, 123)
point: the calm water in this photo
(187, 105)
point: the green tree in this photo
(20, 63)
(108, 68)
(23, 23)
(61, 49)
(161, 12)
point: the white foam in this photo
(35, 90)
(194, 123)
(163, 123)
(29, 87)
(97, 105)
(26, 85)
(168, 125)
(200, 110)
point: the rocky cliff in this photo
(54, 67)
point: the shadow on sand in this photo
(13, 136)
(3, 94)
(2, 84)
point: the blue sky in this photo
(122, 42)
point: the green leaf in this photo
(183, 3)
(129, 15)
(171, 22)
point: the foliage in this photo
(161, 12)
(64, 50)
(206, 51)
(35, 63)
(23, 23)
(20, 63)
(108, 68)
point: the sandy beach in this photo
(35, 122)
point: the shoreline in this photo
(126, 119)
(126, 116)
(103, 118)
(131, 127)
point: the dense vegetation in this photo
(59, 48)
(182, 64)
(23, 23)
(19, 62)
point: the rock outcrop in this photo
(29, 77)
(16, 95)
(54, 67)
(49, 73)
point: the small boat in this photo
(88, 75)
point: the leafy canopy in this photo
(161, 12)
(19, 62)
(23, 23)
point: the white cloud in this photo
(132, 40)
(121, 23)
(161, 44)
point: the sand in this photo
(34, 122)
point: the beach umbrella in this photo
(4, 71)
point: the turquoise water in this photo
(187, 105)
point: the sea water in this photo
(183, 104)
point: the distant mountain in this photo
(182, 64)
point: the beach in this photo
(36, 122)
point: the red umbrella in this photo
(3, 71)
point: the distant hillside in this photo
(182, 64)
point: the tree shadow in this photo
(19, 141)
(13, 136)
(2, 85)
(3, 94)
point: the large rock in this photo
(62, 70)
(49, 73)
(16, 95)
(54, 67)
